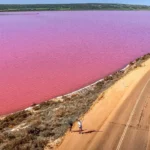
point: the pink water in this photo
(46, 54)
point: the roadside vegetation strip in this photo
(48, 121)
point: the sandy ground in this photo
(116, 121)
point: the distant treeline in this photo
(52, 7)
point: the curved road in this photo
(126, 127)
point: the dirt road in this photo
(118, 121)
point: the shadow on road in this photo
(90, 131)
(86, 132)
(78, 130)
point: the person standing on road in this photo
(80, 126)
(70, 125)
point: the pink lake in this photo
(47, 54)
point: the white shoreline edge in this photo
(79, 91)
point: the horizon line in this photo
(73, 3)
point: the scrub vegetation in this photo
(45, 124)
(55, 7)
